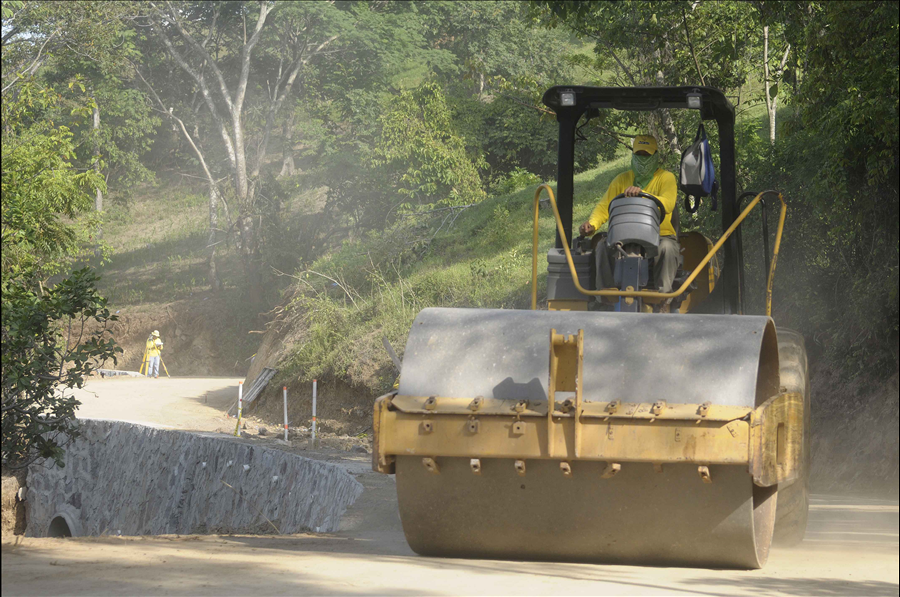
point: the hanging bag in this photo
(698, 174)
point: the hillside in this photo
(337, 312)
(155, 278)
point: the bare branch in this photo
(338, 284)
(36, 64)
(223, 87)
(246, 51)
(209, 177)
(687, 33)
(204, 90)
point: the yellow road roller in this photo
(604, 428)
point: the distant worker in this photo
(154, 348)
(644, 175)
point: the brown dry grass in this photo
(13, 511)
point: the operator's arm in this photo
(668, 191)
(616, 187)
(665, 188)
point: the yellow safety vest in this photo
(154, 346)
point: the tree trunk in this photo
(669, 132)
(214, 282)
(250, 259)
(98, 198)
(772, 99)
(770, 107)
(665, 118)
(287, 151)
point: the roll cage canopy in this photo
(571, 102)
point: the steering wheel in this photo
(662, 208)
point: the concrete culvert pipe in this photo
(62, 525)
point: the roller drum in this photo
(637, 517)
(644, 514)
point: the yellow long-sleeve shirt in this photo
(663, 187)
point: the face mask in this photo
(644, 167)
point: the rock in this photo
(360, 450)
(263, 431)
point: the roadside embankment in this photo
(121, 478)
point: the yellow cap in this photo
(644, 143)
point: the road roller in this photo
(604, 428)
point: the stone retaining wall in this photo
(121, 478)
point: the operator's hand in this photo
(586, 229)
(633, 191)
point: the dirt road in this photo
(195, 403)
(851, 547)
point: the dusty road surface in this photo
(194, 403)
(851, 547)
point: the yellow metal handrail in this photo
(648, 293)
(771, 279)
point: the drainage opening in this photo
(59, 527)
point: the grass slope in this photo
(376, 286)
(156, 278)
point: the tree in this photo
(46, 350)
(683, 42)
(52, 340)
(383, 48)
(502, 64)
(840, 155)
(772, 78)
(87, 41)
(218, 46)
(42, 190)
(420, 148)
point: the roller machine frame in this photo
(577, 435)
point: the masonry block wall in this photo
(121, 478)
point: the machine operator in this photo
(644, 175)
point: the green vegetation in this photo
(47, 351)
(42, 189)
(377, 286)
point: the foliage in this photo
(838, 162)
(423, 152)
(664, 43)
(42, 190)
(88, 42)
(373, 287)
(402, 113)
(518, 178)
(490, 67)
(502, 66)
(47, 351)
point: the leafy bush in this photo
(427, 159)
(518, 178)
(47, 351)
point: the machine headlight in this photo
(567, 98)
